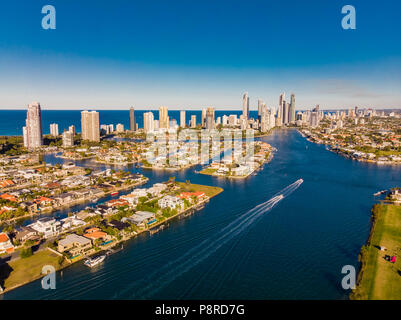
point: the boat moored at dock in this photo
(92, 262)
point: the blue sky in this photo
(190, 54)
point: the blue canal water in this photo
(294, 251)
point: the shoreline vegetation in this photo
(22, 271)
(351, 153)
(378, 278)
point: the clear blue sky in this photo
(190, 54)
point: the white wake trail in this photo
(200, 252)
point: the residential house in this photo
(47, 226)
(5, 244)
(75, 244)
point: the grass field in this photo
(380, 279)
(21, 271)
(208, 171)
(208, 190)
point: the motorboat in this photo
(92, 262)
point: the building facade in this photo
(32, 132)
(90, 126)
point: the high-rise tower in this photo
(90, 126)
(132, 121)
(32, 132)
(245, 105)
(163, 118)
(291, 117)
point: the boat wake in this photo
(159, 279)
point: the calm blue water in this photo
(12, 121)
(295, 251)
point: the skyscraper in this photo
(264, 119)
(72, 129)
(120, 127)
(68, 139)
(280, 110)
(148, 122)
(210, 118)
(32, 132)
(132, 122)
(260, 109)
(90, 126)
(291, 117)
(54, 129)
(193, 121)
(286, 110)
(163, 118)
(203, 117)
(182, 119)
(245, 105)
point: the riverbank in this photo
(354, 154)
(378, 278)
(23, 271)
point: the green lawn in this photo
(208, 190)
(381, 280)
(208, 171)
(25, 270)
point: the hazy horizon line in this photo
(216, 109)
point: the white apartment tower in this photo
(32, 132)
(90, 126)
(54, 129)
(182, 118)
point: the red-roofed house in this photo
(186, 195)
(9, 197)
(117, 203)
(5, 244)
(96, 233)
(6, 183)
(44, 201)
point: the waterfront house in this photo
(140, 192)
(75, 244)
(26, 233)
(119, 225)
(71, 222)
(141, 217)
(47, 226)
(64, 198)
(44, 201)
(395, 195)
(96, 234)
(32, 207)
(171, 202)
(5, 244)
(188, 195)
(117, 203)
(130, 198)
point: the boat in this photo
(92, 262)
(114, 194)
(379, 193)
